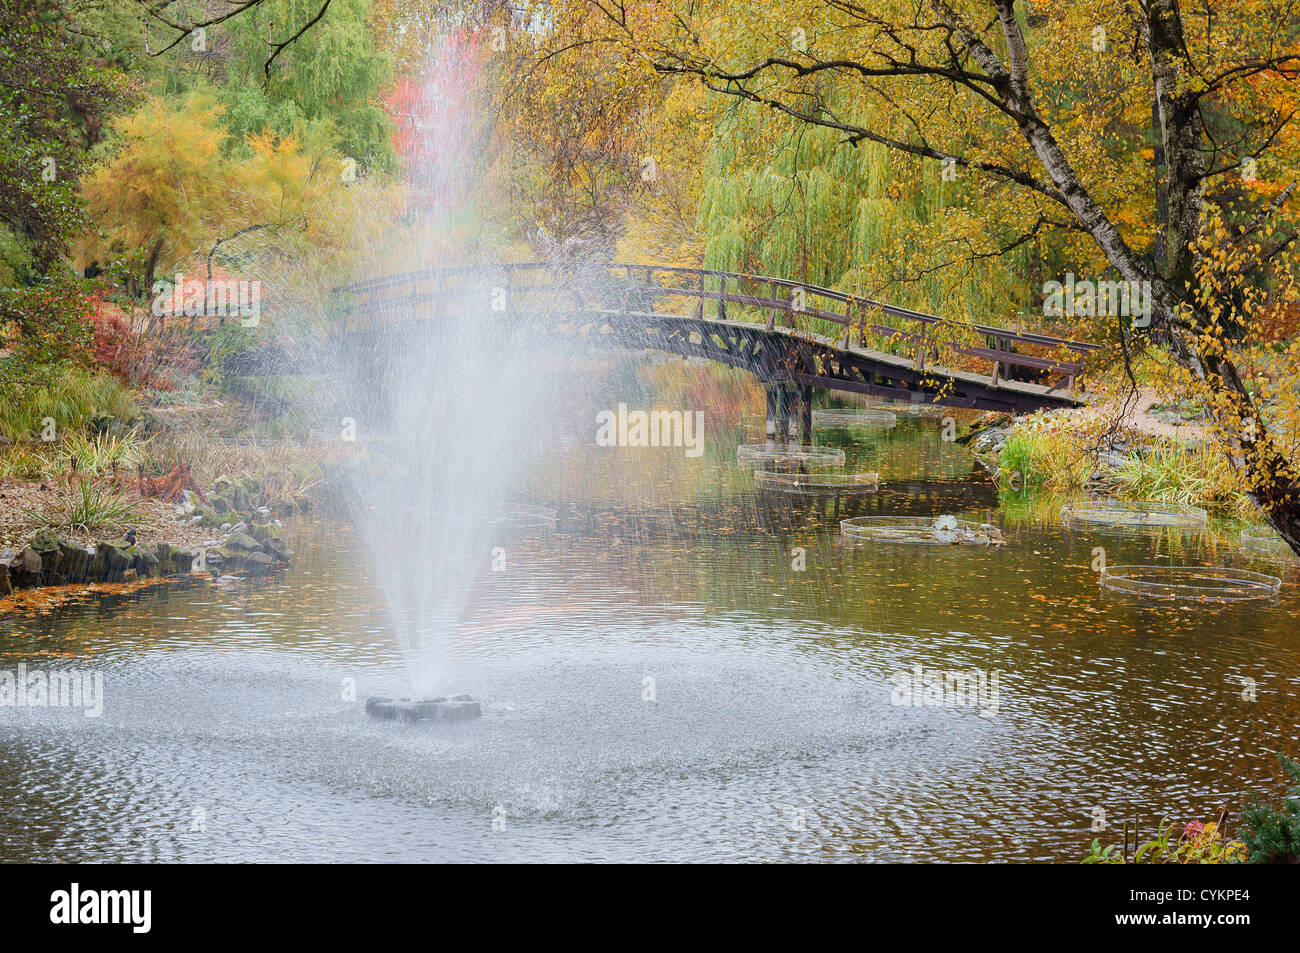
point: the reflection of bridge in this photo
(799, 337)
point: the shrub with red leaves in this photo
(135, 358)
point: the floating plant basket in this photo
(1191, 583)
(520, 518)
(756, 454)
(1134, 515)
(1265, 541)
(872, 417)
(908, 409)
(920, 530)
(818, 484)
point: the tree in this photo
(169, 197)
(332, 73)
(985, 90)
(54, 101)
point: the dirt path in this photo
(1141, 419)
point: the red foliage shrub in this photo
(134, 358)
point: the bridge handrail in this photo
(1001, 354)
(871, 304)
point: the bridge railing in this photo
(798, 307)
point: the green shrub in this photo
(101, 453)
(226, 343)
(92, 508)
(1272, 835)
(1197, 844)
(73, 398)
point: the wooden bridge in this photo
(793, 336)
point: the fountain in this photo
(449, 409)
(455, 708)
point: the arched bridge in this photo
(793, 336)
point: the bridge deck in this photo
(782, 350)
(1052, 393)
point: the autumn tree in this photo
(54, 101)
(1157, 143)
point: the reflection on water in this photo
(662, 679)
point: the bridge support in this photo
(805, 414)
(789, 412)
(772, 398)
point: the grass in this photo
(1049, 458)
(1173, 472)
(25, 462)
(91, 509)
(286, 472)
(101, 453)
(76, 397)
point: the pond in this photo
(683, 670)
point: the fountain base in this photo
(455, 708)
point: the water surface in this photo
(228, 734)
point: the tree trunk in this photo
(150, 266)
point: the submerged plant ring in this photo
(1192, 583)
(817, 484)
(758, 454)
(520, 518)
(1133, 515)
(1265, 541)
(920, 530)
(846, 417)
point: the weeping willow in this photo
(796, 202)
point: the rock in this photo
(231, 560)
(242, 542)
(225, 527)
(6, 587)
(221, 504)
(990, 440)
(182, 560)
(46, 541)
(240, 527)
(147, 562)
(46, 545)
(256, 563)
(278, 550)
(129, 575)
(110, 562)
(73, 561)
(30, 561)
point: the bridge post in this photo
(805, 414)
(771, 396)
(789, 426)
